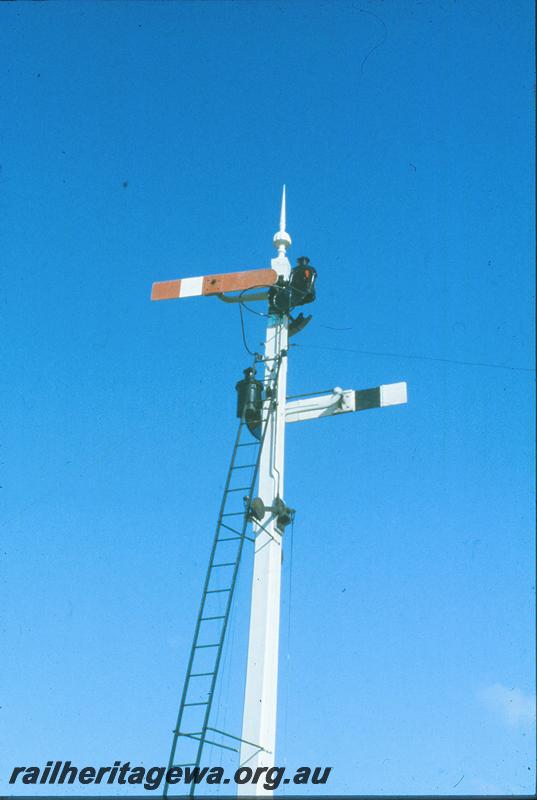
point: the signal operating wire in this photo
(242, 305)
(252, 310)
(226, 679)
(414, 357)
(244, 334)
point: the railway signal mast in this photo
(261, 516)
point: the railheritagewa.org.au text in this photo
(151, 778)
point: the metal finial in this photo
(282, 240)
(282, 212)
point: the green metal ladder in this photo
(216, 601)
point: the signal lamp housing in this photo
(302, 282)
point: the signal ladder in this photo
(214, 611)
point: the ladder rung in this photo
(197, 737)
(190, 764)
(240, 489)
(204, 619)
(244, 466)
(224, 564)
(215, 591)
(200, 674)
(200, 646)
(233, 530)
(223, 746)
(234, 513)
(206, 703)
(232, 538)
(248, 444)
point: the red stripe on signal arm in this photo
(238, 281)
(165, 290)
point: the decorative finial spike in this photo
(282, 240)
(282, 213)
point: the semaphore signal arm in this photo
(342, 401)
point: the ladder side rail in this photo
(200, 612)
(205, 588)
(270, 409)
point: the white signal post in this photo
(261, 692)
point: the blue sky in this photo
(146, 141)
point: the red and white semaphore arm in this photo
(206, 285)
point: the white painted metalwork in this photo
(341, 401)
(261, 692)
(282, 240)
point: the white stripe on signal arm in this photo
(191, 287)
